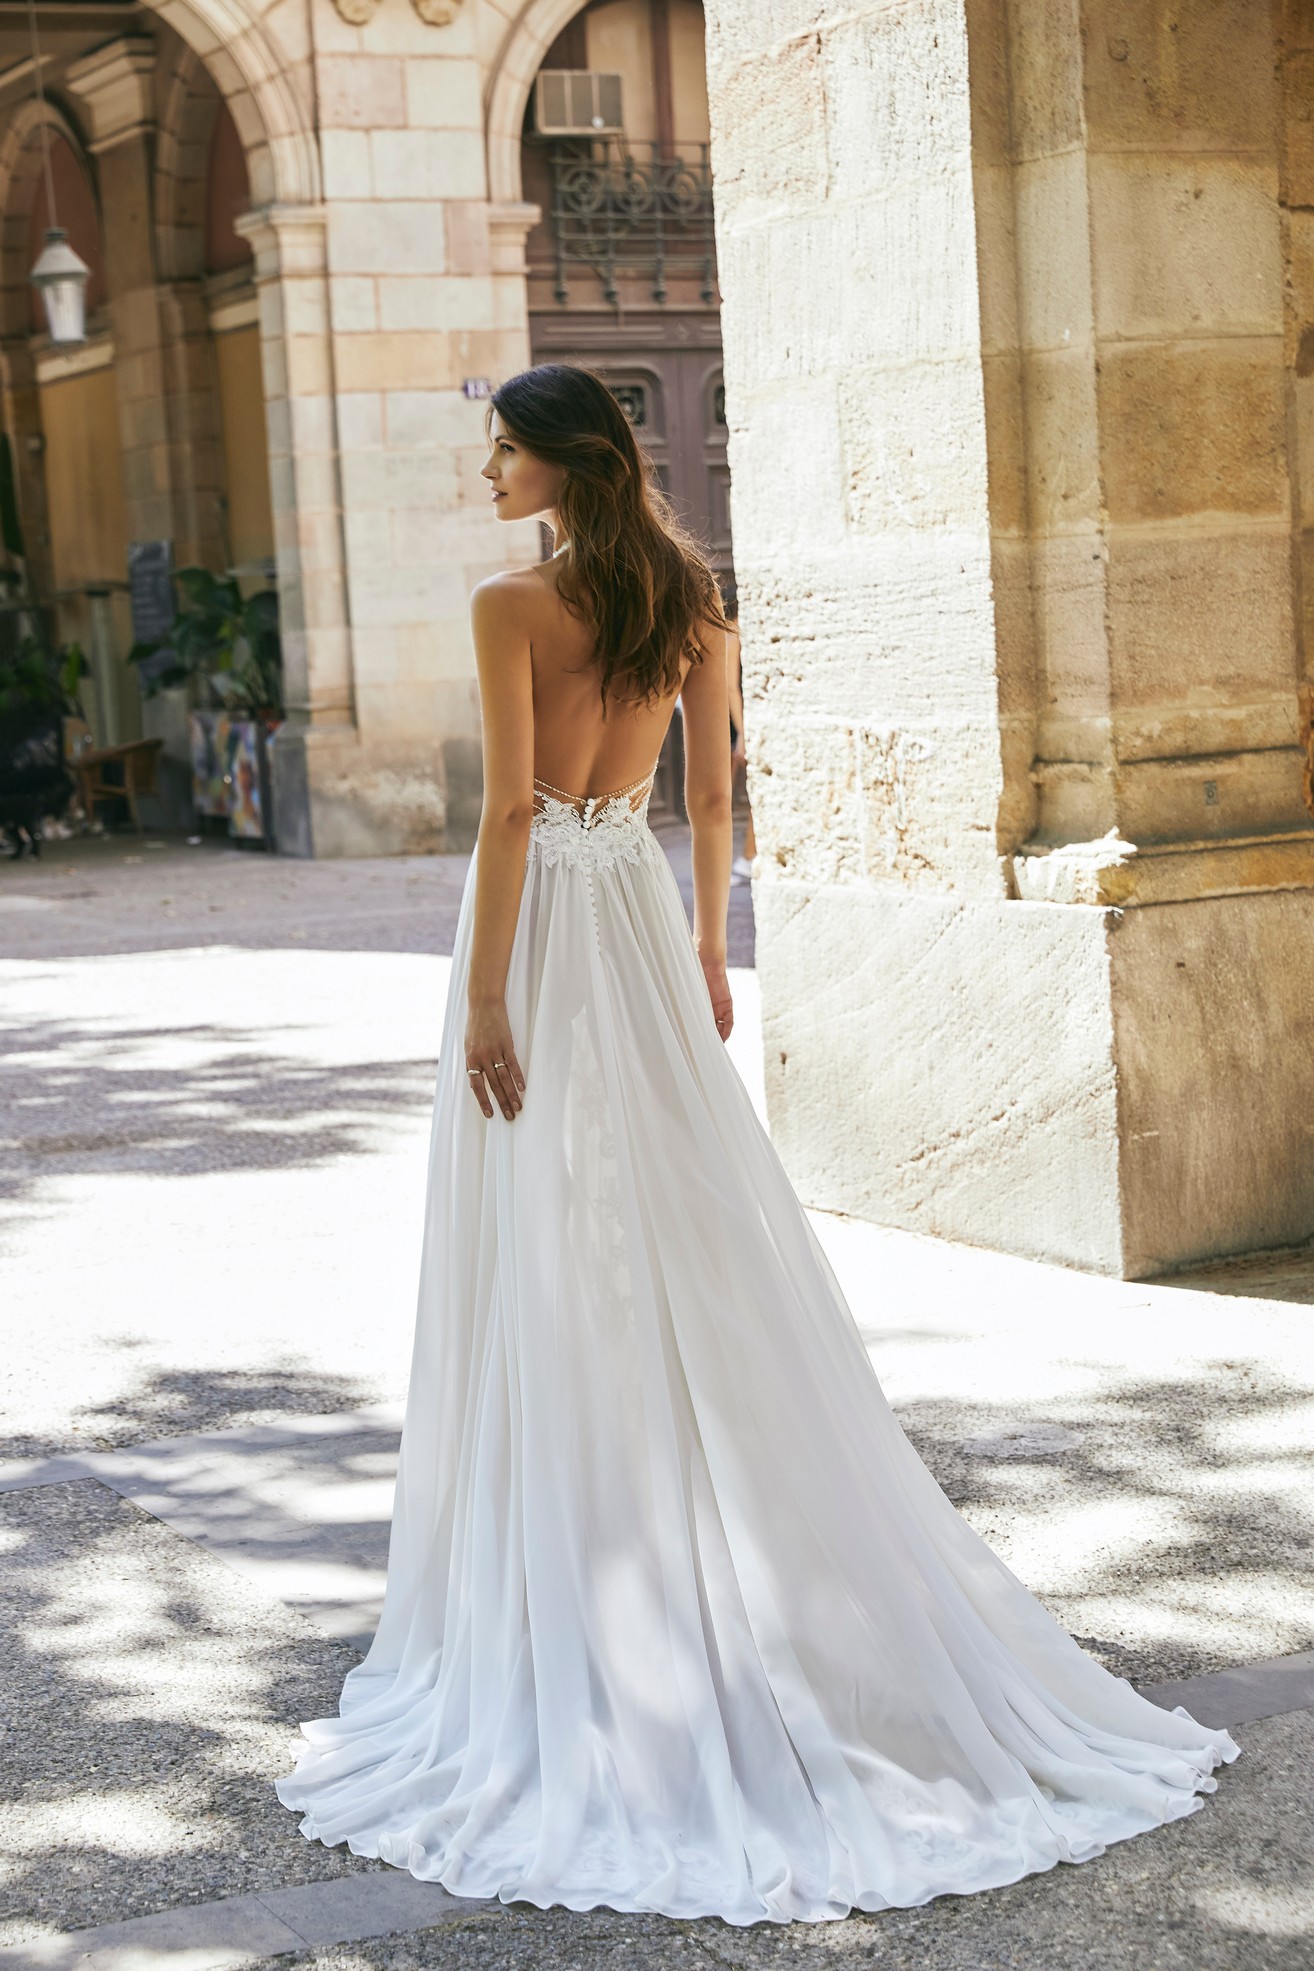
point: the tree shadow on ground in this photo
(76, 1105)
(1203, 1495)
(150, 1698)
(153, 1693)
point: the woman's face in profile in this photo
(521, 484)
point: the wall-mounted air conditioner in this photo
(576, 102)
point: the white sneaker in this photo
(741, 869)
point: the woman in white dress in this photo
(676, 1620)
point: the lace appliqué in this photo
(592, 832)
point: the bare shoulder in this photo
(506, 593)
(709, 639)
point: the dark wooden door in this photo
(666, 370)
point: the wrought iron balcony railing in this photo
(624, 208)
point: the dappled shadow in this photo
(143, 1760)
(76, 1103)
(150, 1696)
(1198, 1493)
(178, 1403)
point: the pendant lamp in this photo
(60, 275)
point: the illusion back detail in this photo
(592, 832)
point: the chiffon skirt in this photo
(676, 1620)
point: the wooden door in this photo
(666, 370)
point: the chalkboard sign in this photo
(150, 591)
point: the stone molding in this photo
(1116, 874)
(52, 364)
(434, 13)
(509, 226)
(115, 85)
(286, 239)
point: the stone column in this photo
(424, 299)
(316, 754)
(1004, 356)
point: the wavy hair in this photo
(631, 572)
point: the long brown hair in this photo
(630, 571)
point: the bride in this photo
(676, 1620)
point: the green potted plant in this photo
(227, 646)
(40, 677)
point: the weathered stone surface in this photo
(970, 1043)
(1185, 246)
(1031, 588)
(1189, 429)
(1200, 77)
(1200, 628)
(1059, 394)
(1226, 983)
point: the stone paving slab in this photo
(244, 1930)
(301, 1509)
(1230, 1888)
(91, 895)
(1246, 1694)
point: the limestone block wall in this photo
(1151, 275)
(376, 308)
(846, 242)
(1015, 422)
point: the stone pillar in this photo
(315, 758)
(383, 523)
(1005, 380)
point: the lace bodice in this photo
(592, 832)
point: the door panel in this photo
(666, 369)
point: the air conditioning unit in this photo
(576, 102)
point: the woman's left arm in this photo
(501, 639)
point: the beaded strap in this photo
(597, 800)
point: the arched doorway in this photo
(622, 263)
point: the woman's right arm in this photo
(706, 702)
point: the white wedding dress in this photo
(676, 1619)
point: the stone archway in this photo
(268, 92)
(510, 80)
(267, 89)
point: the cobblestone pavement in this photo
(217, 1074)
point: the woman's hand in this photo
(490, 1060)
(718, 991)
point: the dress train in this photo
(676, 1619)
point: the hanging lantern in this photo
(60, 277)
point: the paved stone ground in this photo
(216, 1082)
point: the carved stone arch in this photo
(190, 103)
(20, 173)
(510, 81)
(267, 96)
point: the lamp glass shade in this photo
(60, 276)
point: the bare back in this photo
(576, 749)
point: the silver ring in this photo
(474, 1070)
(499, 1064)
